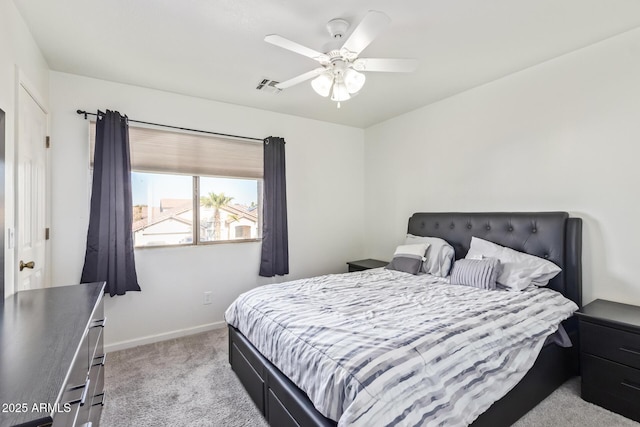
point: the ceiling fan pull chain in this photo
(338, 104)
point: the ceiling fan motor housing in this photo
(337, 28)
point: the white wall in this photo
(563, 135)
(559, 136)
(20, 58)
(325, 173)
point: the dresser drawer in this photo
(96, 326)
(611, 385)
(609, 343)
(95, 401)
(66, 416)
(74, 404)
(80, 368)
(96, 344)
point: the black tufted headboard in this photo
(550, 235)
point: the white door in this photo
(31, 193)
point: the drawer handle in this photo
(628, 350)
(99, 323)
(630, 385)
(83, 397)
(101, 403)
(102, 360)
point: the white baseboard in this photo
(149, 339)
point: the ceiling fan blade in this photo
(301, 78)
(297, 48)
(389, 65)
(371, 25)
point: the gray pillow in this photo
(439, 256)
(408, 258)
(479, 273)
(519, 269)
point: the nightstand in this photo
(365, 264)
(610, 356)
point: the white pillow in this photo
(439, 256)
(519, 269)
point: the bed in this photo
(548, 235)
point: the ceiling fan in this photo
(340, 72)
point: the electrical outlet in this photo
(207, 297)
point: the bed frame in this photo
(550, 235)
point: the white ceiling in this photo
(214, 49)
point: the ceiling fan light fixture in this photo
(354, 80)
(322, 84)
(340, 92)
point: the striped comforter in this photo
(381, 347)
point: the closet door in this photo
(31, 193)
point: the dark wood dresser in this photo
(52, 364)
(610, 356)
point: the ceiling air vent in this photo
(269, 86)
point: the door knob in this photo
(24, 265)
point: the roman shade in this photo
(154, 150)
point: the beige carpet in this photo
(181, 382)
(188, 382)
(564, 407)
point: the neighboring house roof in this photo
(250, 213)
(180, 206)
(168, 204)
(164, 215)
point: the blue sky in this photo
(146, 186)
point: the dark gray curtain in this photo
(275, 237)
(109, 256)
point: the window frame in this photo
(195, 229)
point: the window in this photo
(162, 209)
(179, 180)
(243, 232)
(221, 212)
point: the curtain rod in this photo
(86, 113)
